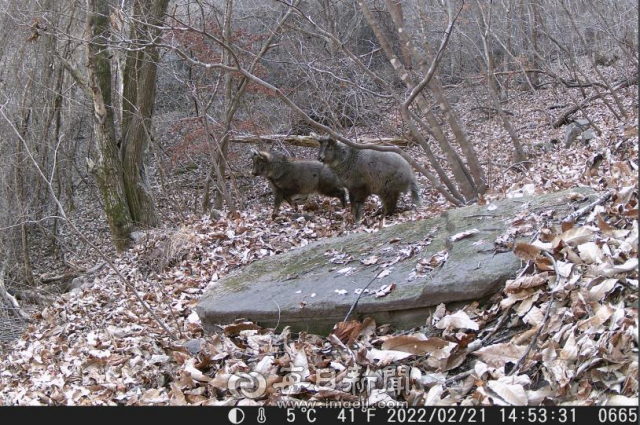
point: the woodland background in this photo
(125, 130)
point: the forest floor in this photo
(564, 331)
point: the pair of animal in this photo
(362, 172)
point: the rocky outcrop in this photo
(314, 287)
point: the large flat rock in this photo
(278, 290)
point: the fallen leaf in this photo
(346, 271)
(526, 252)
(370, 260)
(385, 357)
(154, 396)
(621, 400)
(513, 394)
(236, 328)
(598, 292)
(463, 235)
(383, 273)
(574, 237)
(195, 373)
(525, 282)
(385, 290)
(497, 355)
(457, 320)
(347, 332)
(591, 253)
(601, 316)
(433, 395)
(414, 345)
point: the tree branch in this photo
(75, 74)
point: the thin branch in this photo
(75, 74)
(545, 320)
(81, 236)
(436, 61)
(584, 210)
(355, 303)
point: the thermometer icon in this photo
(262, 418)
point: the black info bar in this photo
(322, 415)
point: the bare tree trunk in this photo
(466, 184)
(223, 148)
(535, 36)
(108, 167)
(232, 102)
(136, 127)
(57, 158)
(56, 116)
(20, 196)
(396, 7)
(485, 33)
(615, 96)
(476, 177)
(23, 128)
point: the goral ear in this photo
(327, 139)
(264, 155)
(260, 155)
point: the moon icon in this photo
(236, 416)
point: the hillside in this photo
(563, 331)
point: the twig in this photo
(563, 117)
(175, 319)
(498, 325)
(358, 299)
(491, 111)
(534, 339)
(545, 320)
(582, 211)
(10, 299)
(65, 276)
(31, 296)
(333, 338)
(459, 376)
(278, 323)
(81, 236)
(96, 267)
(517, 164)
(71, 275)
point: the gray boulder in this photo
(314, 287)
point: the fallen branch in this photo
(31, 296)
(491, 111)
(517, 165)
(96, 267)
(11, 300)
(562, 119)
(459, 376)
(311, 142)
(71, 275)
(582, 211)
(501, 320)
(64, 276)
(355, 303)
